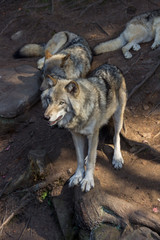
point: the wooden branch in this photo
(89, 6)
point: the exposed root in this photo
(24, 201)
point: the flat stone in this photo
(16, 36)
(19, 90)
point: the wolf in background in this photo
(84, 106)
(140, 29)
(66, 55)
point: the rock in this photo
(17, 35)
(19, 90)
(70, 171)
(142, 233)
(104, 232)
(145, 107)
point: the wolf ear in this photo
(54, 80)
(72, 88)
(48, 54)
(64, 59)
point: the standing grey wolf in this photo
(66, 55)
(84, 106)
(140, 29)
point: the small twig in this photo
(140, 150)
(157, 135)
(38, 6)
(100, 28)
(131, 65)
(11, 21)
(89, 6)
(24, 201)
(52, 6)
(154, 3)
(123, 2)
(26, 225)
(153, 110)
(3, 190)
(149, 75)
(2, 1)
(34, 188)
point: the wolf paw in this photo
(76, 178)
(136, 47)
(40, 63)
(87, 183)
(127, 55)
(118, 162)
(154, 45)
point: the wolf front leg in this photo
(88, 181)
(156, 42)
(79, 142)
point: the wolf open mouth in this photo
(54, 122)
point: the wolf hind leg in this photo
(126, 49)
(79, 142)
(118, 123)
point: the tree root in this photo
(24, 201)
(97, 206)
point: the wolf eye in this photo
(61, 102)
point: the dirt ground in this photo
(139, 179)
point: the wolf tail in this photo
(111, 45)
(30, 50)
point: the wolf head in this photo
(58, 100)
(53, 65)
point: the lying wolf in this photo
(140, 29)
(66, 55)
(84, 106)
